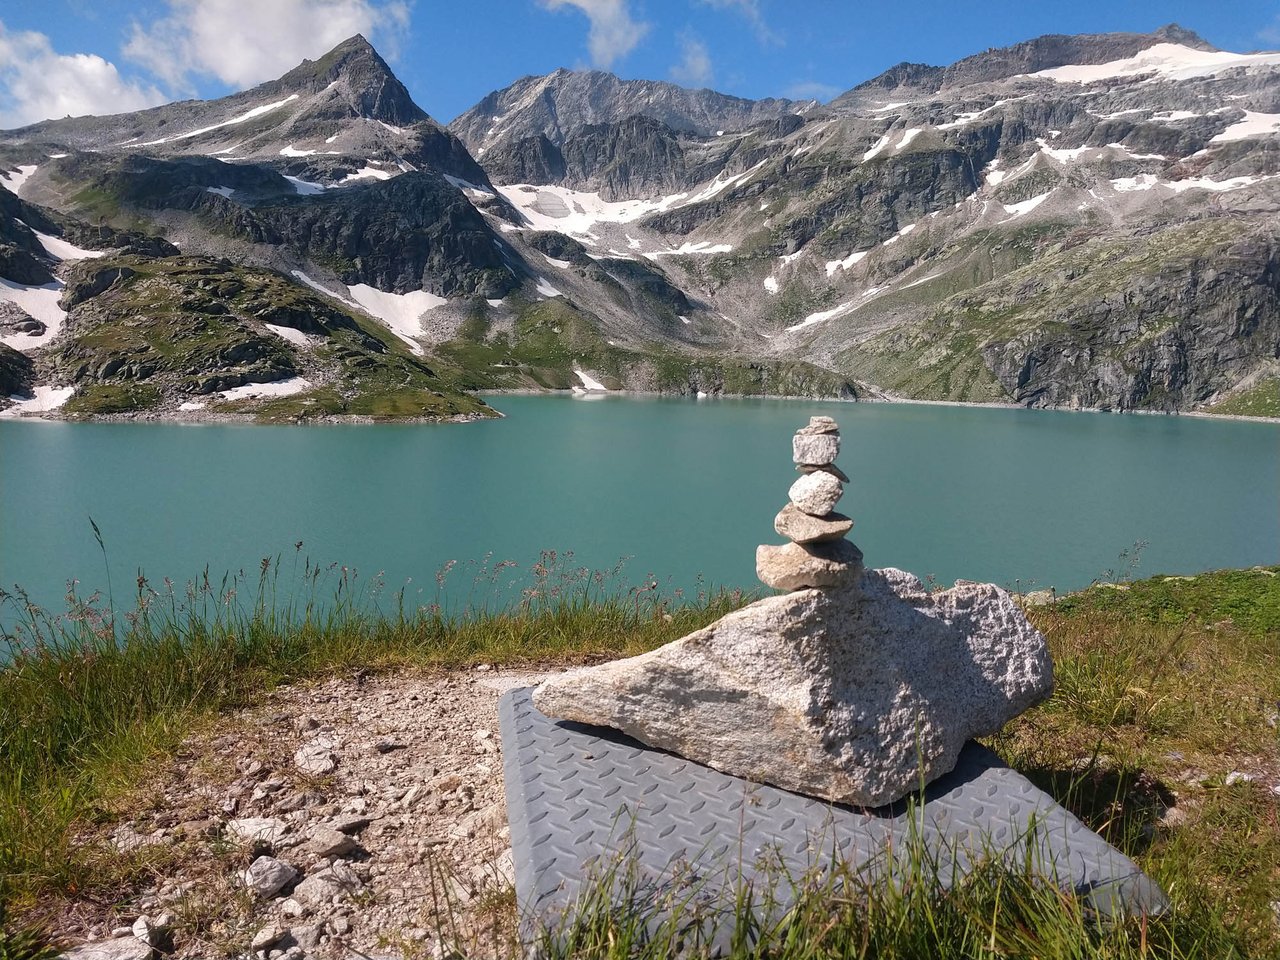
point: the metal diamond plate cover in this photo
(580, 798)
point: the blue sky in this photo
(61, 57)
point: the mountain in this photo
(1078, 221)
(556, 105)
(1031, 56)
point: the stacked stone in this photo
(818, 554)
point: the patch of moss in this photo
(104, 398)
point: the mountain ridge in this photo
(1069, 221)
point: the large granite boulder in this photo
(857, 694)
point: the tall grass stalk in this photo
(86, 698)
(909, 903)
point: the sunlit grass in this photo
(1165, 708)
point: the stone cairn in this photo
(818, 554)
(854, 686)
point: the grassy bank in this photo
(1161, 735)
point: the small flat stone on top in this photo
(794, 566)
(830, 468)
(816, 493)
(799, 527)
(815, 449)
(819, 425)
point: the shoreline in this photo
(195, 417)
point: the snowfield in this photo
(277, 388)
(402, 312)
(294, 336)
(40, 302)
(60, 249)
(46, 399)
(1171, 61)
(14, 179)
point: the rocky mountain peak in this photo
(369, 86)
(557, 104)
(1175, 33)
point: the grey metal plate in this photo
(580, 797)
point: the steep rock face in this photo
(22, 258)
(636, 157)
(559, 103)
(528, 160)
(1163, 322)
(412, 232)
(17, 373)
(1201, 322)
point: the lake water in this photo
(681, 488)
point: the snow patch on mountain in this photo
(877, 148)
(469, 188)
(292, 151)
(589, 382)
(275, 388)
(575, 212)
(248, 115)
(1024, 207)
(305, 188)
(1170, 61)
(900, 234)
(402, 312)
(846, 263)
(296, 337)
(14, 179)
(39, 302)
(45, 400)
(321, 288)
(1253, 125)
(1147, 181)
(366, 173)
(687, 248)
(60, 249)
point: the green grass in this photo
(1164, 687)
(892, 908)
(1260, 400)
(1246, 600)
(102, 398)
(87, 697)
(552, 337)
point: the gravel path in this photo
(356, 817)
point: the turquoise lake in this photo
(681, 489)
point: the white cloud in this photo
(751, 10)
(243, 43)
(613, 33)
(694, 68)
(38, 83)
